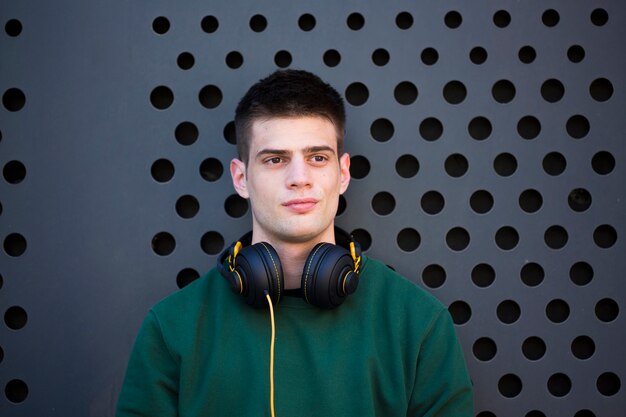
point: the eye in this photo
(274, 160)
(319, 158)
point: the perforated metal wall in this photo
(487, 142)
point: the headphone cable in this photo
(269, 301)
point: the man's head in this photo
(292, 167)
(285, 94)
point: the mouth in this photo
(301, 205)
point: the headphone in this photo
(330, 274)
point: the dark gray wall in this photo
(487, 142)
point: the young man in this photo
(386, 349)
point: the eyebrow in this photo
(281, 152)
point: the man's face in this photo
(293, 179)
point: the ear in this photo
(238, 174)
(344, 168)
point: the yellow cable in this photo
(269, 301)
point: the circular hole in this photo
(578, 126)
(408, 239)
(481, 201)
(359, 167)
(163, 243)
(579, 199)
(601, 89)
(16, 391)
(528, 127)
(555, 237)
(550, 18)
(584, 413)
(380, 57)
(456, 165)
(209, 24)
(454, 92)
(14, 172)
(186, 133)
(505, 164)
(13, 27)
(510, 385)
(363, 237)
(186, 277)
(552, 90)
(508, 312)
(357, 94)
(15, 244)
(306, 22)
(457, 239)
(581, 273)
(431, 129)
(608, 384)
(282, 59)
(341, 206)
(532, 274)
(161, 97)
(404, 20)
(527, 54)
(503, 91)
(162, 170)
(530, 201)
(434, 276)
(15, 318)
(478, 55)
(583, 347)
(485, 414)
(479, 128)
(332, 58)
(185, 60)
(234, 60)
(382, 130)
(599, 17)
(383, 203)
(432, 202)
(356, 21)
(210, 96)
(484, 349)
(258, 23)
(161, 25)
(460, 311)
(236, 206)
(533, 348)
(554, 163)
(603, 163)
(607, 310)
(405, 93)
(483, 275)
(429, 56)
(557, 311)
(211, 169)
(13, 99)
(187, 206)
(453, 19)
(576, 53)
(212, 243)
(507, 238)
(605, 236)
(407, 166)
(501, 18)
(559, 385)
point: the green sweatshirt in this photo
(389, 350)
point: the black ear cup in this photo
(328, 276)
(258, 269)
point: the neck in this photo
(292, 258)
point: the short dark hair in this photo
(288, 93)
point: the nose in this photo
(298, 174)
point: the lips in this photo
(301, 205)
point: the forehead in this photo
(292, 133)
